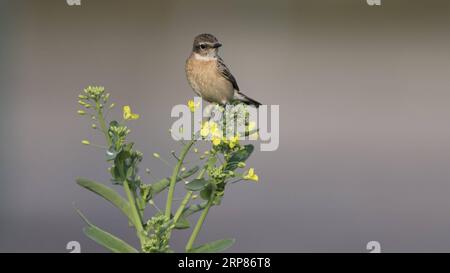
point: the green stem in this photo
(174, 176)
(183, 204)
(198, 226)
(139, 204)
(185, 201)
(134, 213)
(101, 121)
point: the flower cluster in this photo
(226, 141)
(158, 241)
(217, 167)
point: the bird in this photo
(208, 75)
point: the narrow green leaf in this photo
(159, 186)
(214, 247)
(182, 223)
(106, 239)
(193, 209)
(164, 183)
(197, 184)
(189, 172)
(108, 194)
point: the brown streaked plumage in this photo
(208, 75)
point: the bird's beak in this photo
(217, 45)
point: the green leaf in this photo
(193, 209)
(182, 223)
(108, 194)
(106, 239)
(159, 186)
(120, 164)
(189, 172)
(130, 173)
(164, 183)
(205, 194)
(197, 184)
(115, 174)
(214, 247)
(239, 156)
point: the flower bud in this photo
(241, 164)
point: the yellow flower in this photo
(233, 142)
(204, 131)
(85, 142)
(251, 175)
(216, 140)
(208, 127)
(193, 106)
(213, 128)
(128, 115)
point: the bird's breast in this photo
(207, 82)
(201, 74)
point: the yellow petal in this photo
(126, 111)
(233, 142)
(204, 132)
(191, 105)
(251, 175)
(128, 115)
(216, 141)
(134, 116)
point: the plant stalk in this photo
(185, 201)
(174, 176)
(101, 121)
(135, 214)
(198, 226)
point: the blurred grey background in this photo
(364, 103)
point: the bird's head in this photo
(206, 46)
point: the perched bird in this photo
(208, 75)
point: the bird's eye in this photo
(202, 46)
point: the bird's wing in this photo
(225, 72)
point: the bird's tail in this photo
(247, 100)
